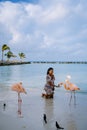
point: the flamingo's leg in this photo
(70, 98)
(74, 98)
(19, 104)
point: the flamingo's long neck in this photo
(67, 84)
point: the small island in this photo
(14, 63)
(6, 52)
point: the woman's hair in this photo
(49, 70)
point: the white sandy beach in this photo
(71, 117)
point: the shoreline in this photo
(14, 63)
(6, 63)
(71, 117)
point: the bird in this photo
(72, 88)
(4, 106)
(57, 126)
(45, 118)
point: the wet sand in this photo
(71, 117)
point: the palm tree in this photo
(9, 54)
(21, 55)
(4, 47)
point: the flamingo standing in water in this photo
(70, 87)
(19, 89)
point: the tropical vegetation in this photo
(9, 54)
(21, 55)
(4, 48)
(6, 51)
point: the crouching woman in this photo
(49, 86)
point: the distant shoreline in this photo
(61, 62)
(13, 63)
(41, 62)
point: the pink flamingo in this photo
(70, 87)
(19, 89)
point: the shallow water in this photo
(33, 75)
(71, 117)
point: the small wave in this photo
(82, 92)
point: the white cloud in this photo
(56, 12)
(81, 9)
(32, 10)
(49, 27)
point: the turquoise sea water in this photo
(71, 117)
(33, 75)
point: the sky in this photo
(45, 30)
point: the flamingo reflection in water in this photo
(70, 87)
(19, 89)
